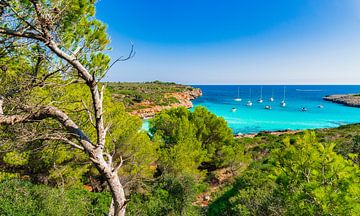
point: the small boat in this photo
(268, 107)
(272, 96)
(260, 99)
(238, 96)
(249, 103)
(283, 103)
(304, 109)
(233, 109)
(320, 106)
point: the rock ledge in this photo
(352, 100)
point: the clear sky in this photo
(235, 41)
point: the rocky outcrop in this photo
(184, 100)
(276, 133)
(352, 100)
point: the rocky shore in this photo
(352, 100)
(184, 99)
(276, 133)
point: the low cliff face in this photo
(184, 100)
(352, 100)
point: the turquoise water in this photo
(219, 99)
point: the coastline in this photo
(288, 131)
(351, 100)
(184, 100)
(275, 132)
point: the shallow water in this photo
(219, 99)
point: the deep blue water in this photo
(219, 99)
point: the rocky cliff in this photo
(352, 100)
(183, 99)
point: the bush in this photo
(168, 196)
(19, 197)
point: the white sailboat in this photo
(249, 103)
(282, 103)
(238, 96)
(260, 99)
(272, 96)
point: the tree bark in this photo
(118, 203)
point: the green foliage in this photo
(19, 197)
(57, 164)
(316, 179)
(300, 177)
(201, 131)
(16, 158)
(169, 196)
(251, 194)
(144, 95)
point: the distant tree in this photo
(182, 127)
(52, 61)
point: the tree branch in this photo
(117, 167)
(121, 58)
(89, 113)
(54, 113)
(29, 35)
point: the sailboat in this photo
(249, 103)
(272, 96)
(282, 103)
(238, 96)
(260, 99)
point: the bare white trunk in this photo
(118, 204)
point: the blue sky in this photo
(235, 41)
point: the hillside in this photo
(148, 98)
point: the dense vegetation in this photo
(143, 95)
(299, 175)
(310, 173)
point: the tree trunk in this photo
(118, 203)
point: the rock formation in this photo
(184, 99)
(352, 100)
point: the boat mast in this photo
(284, 93)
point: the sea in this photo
(305, 107)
